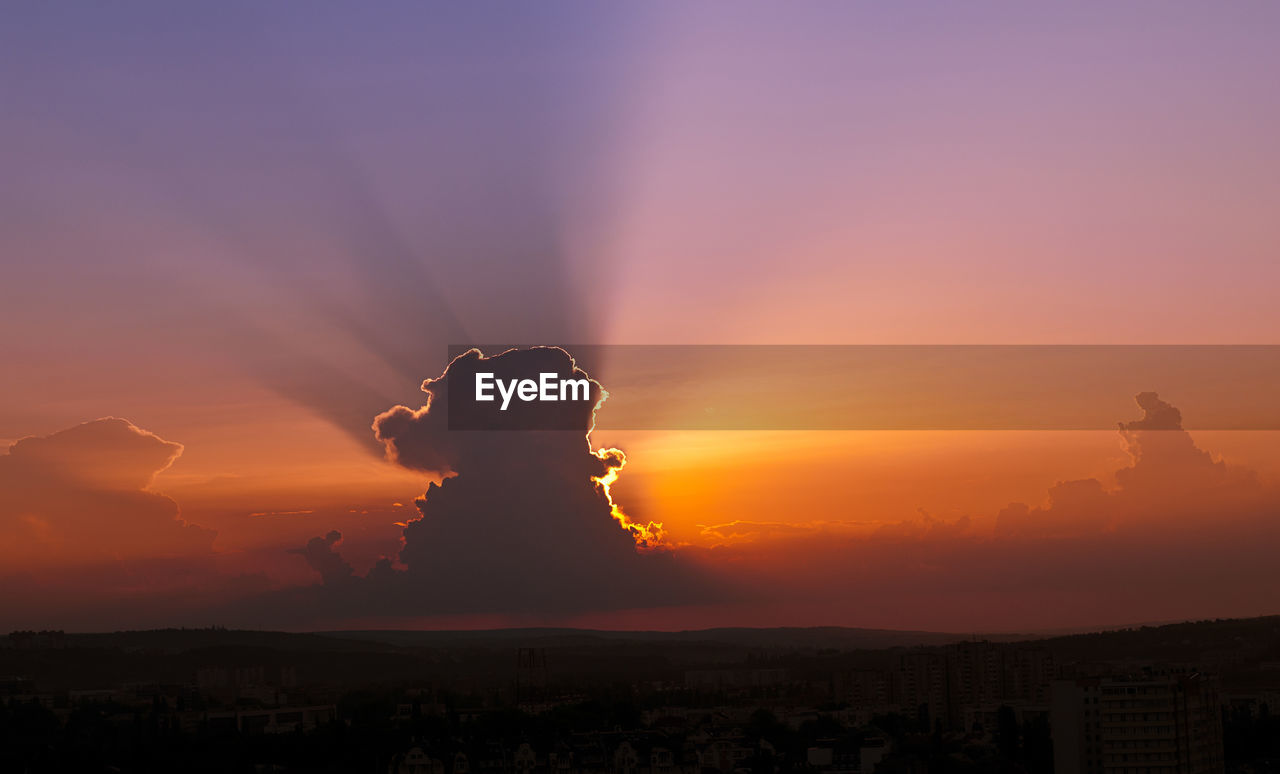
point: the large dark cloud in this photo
(522, 521)
(519, 525)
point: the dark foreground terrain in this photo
(1188, 697)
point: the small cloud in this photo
(80, 495)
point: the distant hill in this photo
(183, 640)
(1221, 639)
(799, 638)
(1241, 650)
(1167, 641)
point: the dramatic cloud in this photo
(1170, 478)
(523, 520)
(1178, 534)
(523, 523)
(323, 559)
(92, 547)
(519, 525)
(1156, 415)
(80, 496)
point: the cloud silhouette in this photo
(323, 559)
(523, 520)
(80, 495)
(1169, 477)
(1156, 414)
(1180, 534)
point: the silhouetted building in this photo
(866, 688)
(955, 686)
(1144, 724)
(735, 678)
(415, 761)
(281, 720)
(259, 683)
(532, 677)
(921, 687)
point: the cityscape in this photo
(639, 387)
(826, 701)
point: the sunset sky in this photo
(247, 230)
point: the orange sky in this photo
(254, 258)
